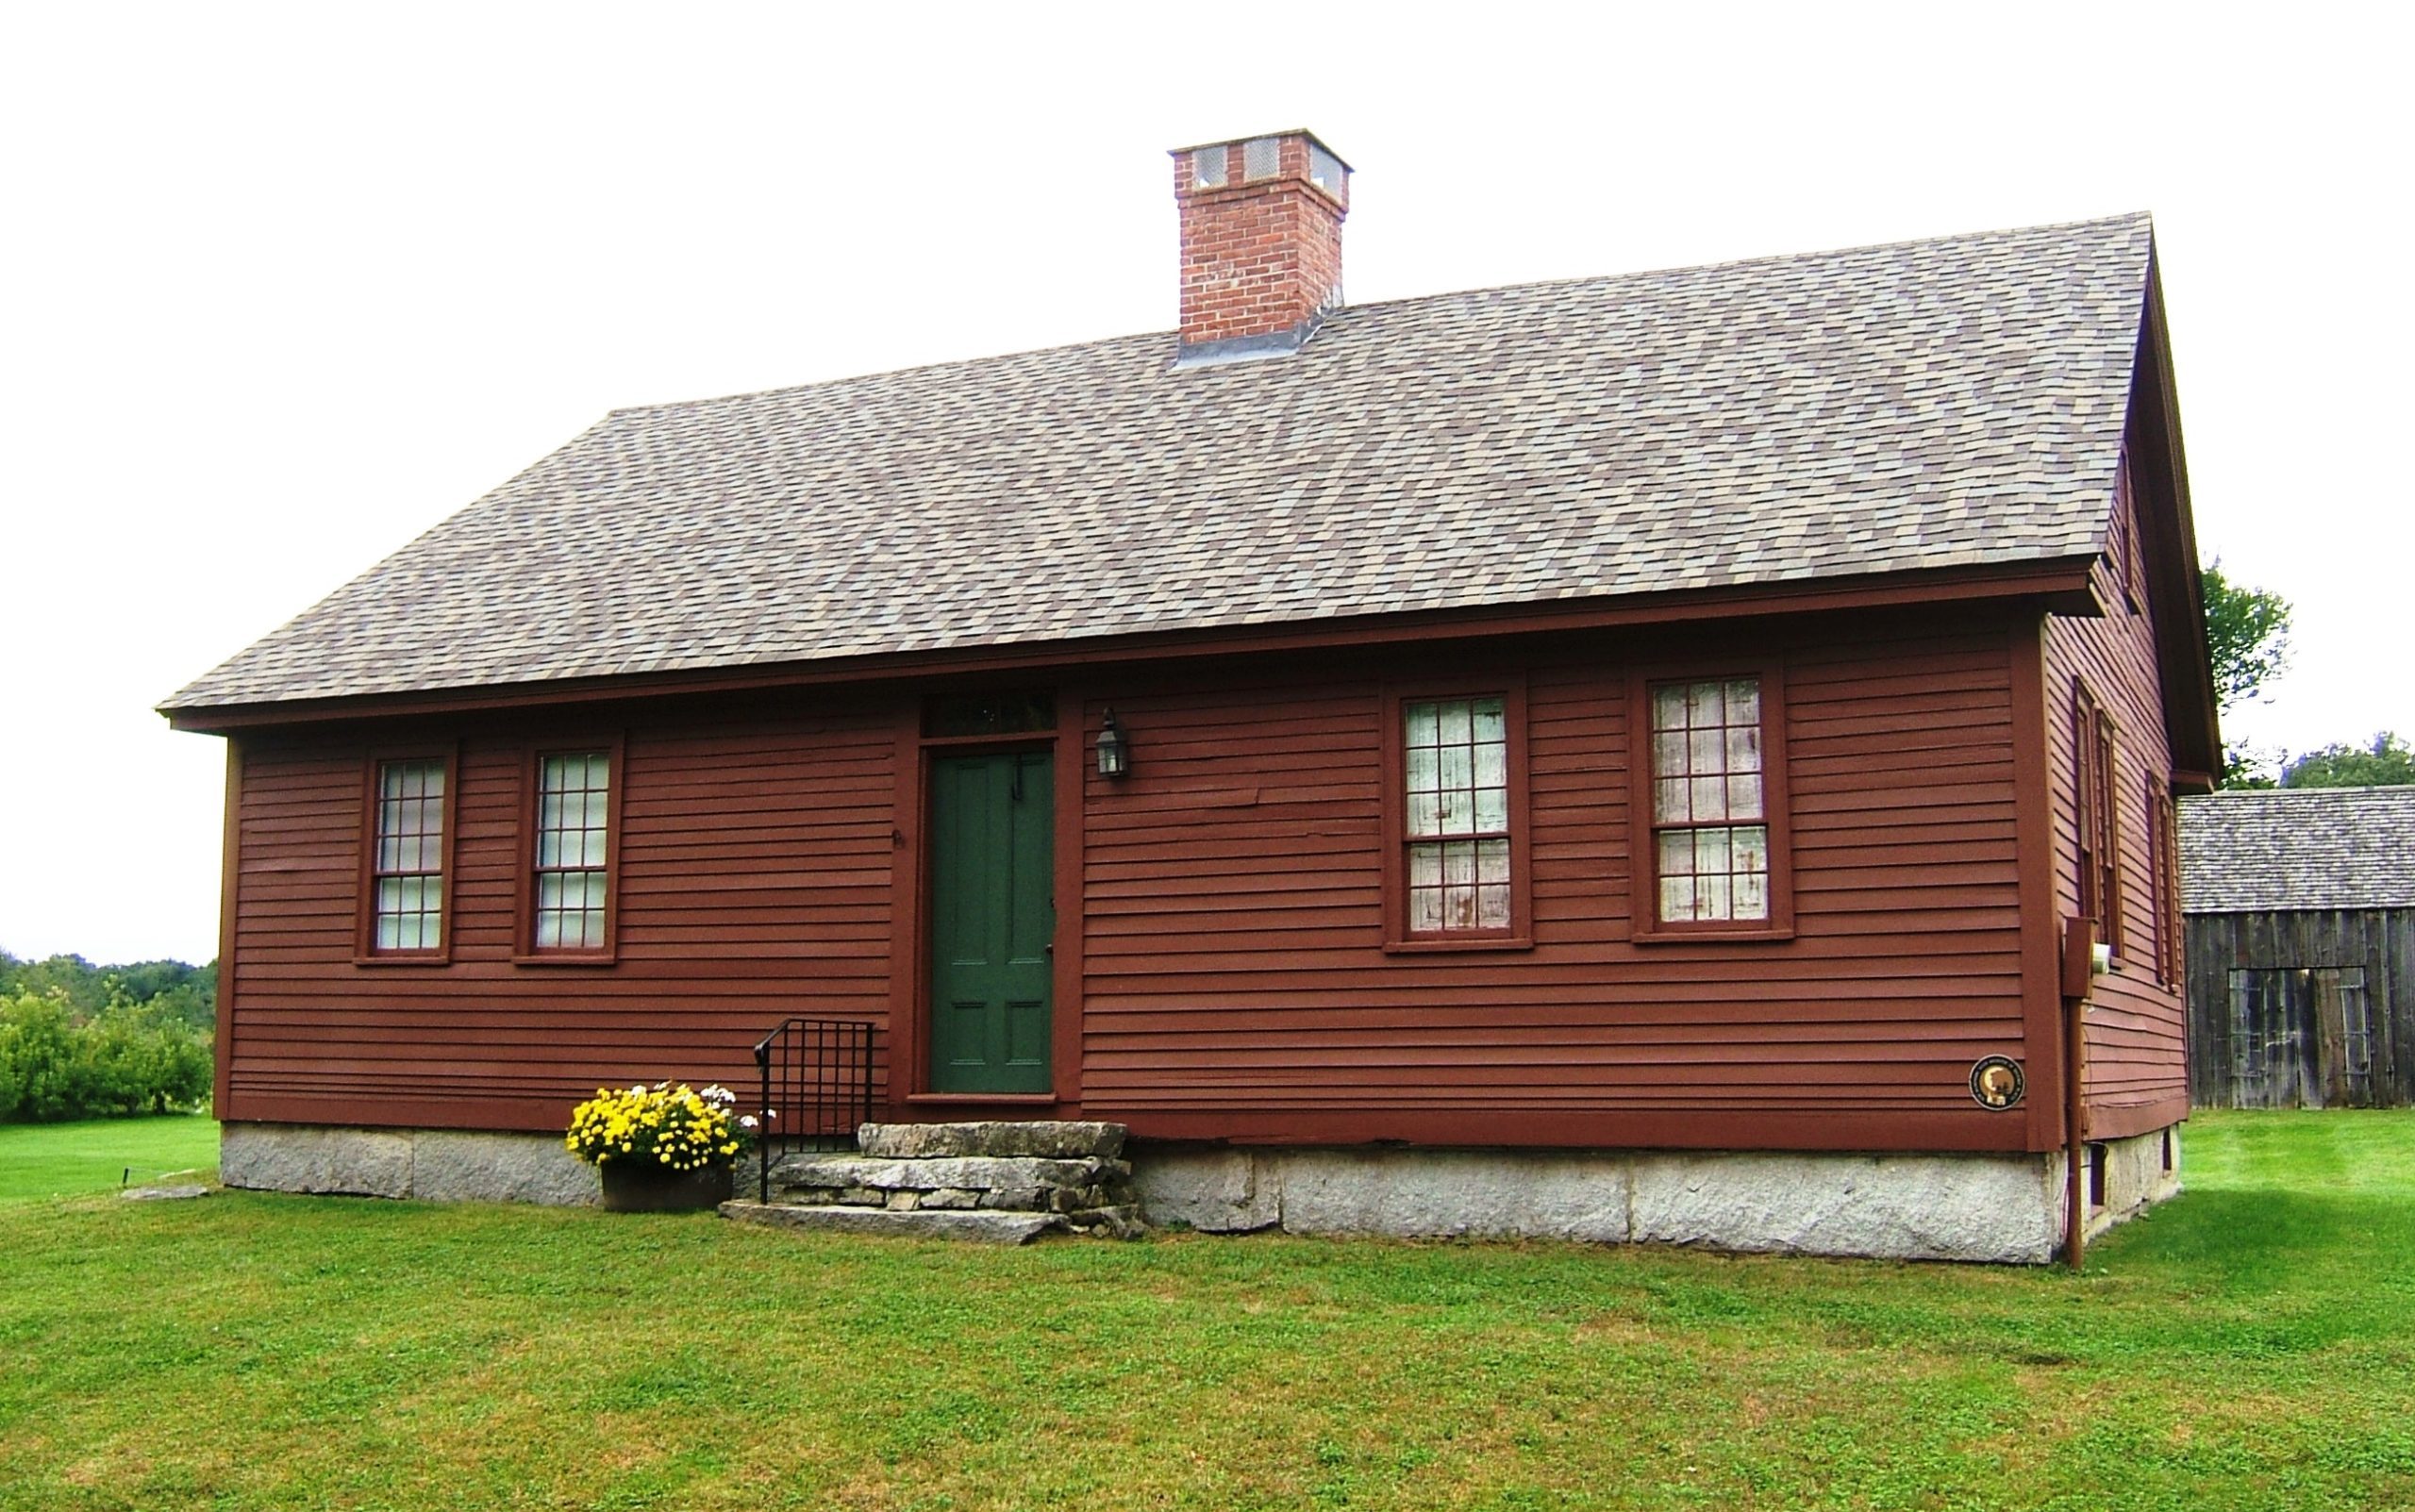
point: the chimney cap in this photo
(1255, 136)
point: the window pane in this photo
(1425, 865)
(1490, 723)
(1669, 805)
(1752, 896)
(1705, 706)
(1425, 770)
(1668, 755)
(1422, 724)
(1458, 863)
(1707, 751)
(1493, 907)
(1709, 797)
(1459, 766)
(1743, 748)
(1744, 797)
(1425, 814)
(1752, 848)
(1426, 909)
(1676, 898)
(1710, 896)
(1669, 708)
(1677, 854)
(1453, 721)
(1492, 861)
(1492, 810)
(1745, 700)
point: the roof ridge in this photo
(1730, 264)
(2236, 793)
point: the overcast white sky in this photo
(280, 287)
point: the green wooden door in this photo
(991, 920)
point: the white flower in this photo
(747, 1122)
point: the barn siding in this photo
(2137, 1027)
(1233, 981)
(2381, 941)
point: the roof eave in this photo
(2059, 585)
(2176, 585)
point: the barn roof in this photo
(2298, 848)
(1939, 404)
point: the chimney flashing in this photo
(1231, 349)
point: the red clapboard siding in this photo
(752, 876)
(1230, 923)
(2136, 1052)
(1236, 981)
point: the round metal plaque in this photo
(1996, 1082)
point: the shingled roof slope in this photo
(2298, 848)
(1933, 404)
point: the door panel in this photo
(992, 919)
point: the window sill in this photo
(584, 957)
(1419, 946)
(1701, 936)
(433, 957)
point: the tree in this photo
(2387, 761)
(2247, 636)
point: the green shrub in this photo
(125, 1058)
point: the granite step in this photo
(983, 1226)
(932, 1173)
(1053, 1140)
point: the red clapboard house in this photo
(1620, 758)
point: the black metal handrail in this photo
(817, 1082)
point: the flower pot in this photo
(650, 1187)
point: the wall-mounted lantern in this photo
(1114, 752)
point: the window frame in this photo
(2163, 818)
(1510, 688)
(525, 952)
(364, 950)
(1645, 926)
(2096, 819)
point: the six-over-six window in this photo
(407, 861)
(1710, 831)
(573, 839)
(1457, 821)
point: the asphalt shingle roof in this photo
(2298, 848)
(1933, 404)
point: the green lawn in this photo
(2251, 1345)
(60, 1159)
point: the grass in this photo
(2251, 1344)
(63, 1159)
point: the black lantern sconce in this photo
(1114, 752)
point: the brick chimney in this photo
(1261, 244)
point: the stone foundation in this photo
(2005, 1208)
(2001, 1208)
(2136, 1176)
(434, 1165)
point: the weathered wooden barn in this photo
(2301, 909)
(1618, 758)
